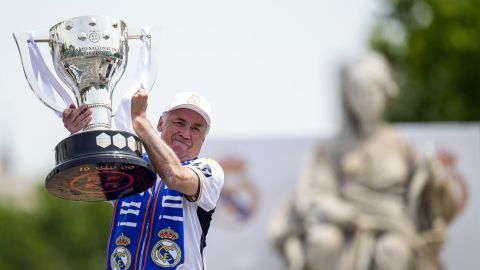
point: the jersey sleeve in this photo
(211, 178)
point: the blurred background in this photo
(271, 71)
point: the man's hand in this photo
(139, 104)
(75, 119)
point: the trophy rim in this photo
(87, 16)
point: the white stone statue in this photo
(366, 199)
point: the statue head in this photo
(367, 88)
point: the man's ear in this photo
(160, 124)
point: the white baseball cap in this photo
(192, 101)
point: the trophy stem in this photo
(98, 100)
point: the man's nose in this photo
(185, 133)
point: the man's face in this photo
(184, 131)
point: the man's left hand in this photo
(139, 104)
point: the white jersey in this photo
(195, 216)
(198, 211)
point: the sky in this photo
(269, 68)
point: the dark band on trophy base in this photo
(99, 165)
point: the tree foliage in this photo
(434, 48)
(53, 234)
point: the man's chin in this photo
(180, 150)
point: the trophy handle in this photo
(23, 39)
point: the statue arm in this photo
(431, 201)
(318, 196)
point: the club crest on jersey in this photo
(121, 257)
(166, 252)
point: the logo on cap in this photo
(194, 99)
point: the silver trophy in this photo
(89, 55)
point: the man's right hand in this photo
(75, 119)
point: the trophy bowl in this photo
(90, 55)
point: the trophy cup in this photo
(89, 56)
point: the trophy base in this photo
(99, 165)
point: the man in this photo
(166, 226)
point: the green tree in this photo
(434, 49)
(53, 234)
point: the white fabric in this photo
(144, 78)
(211, 181)
(211, 186)
(50, 90)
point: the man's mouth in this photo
(184, 143)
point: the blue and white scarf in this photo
(147, 231)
